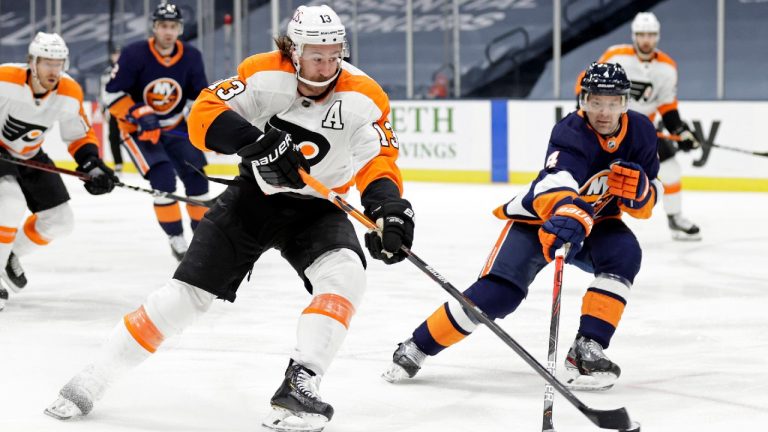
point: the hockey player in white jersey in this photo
(654, 90)
(299, 107)
(32, 97)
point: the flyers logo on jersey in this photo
(313, 146)
(641, 91)
(14, 129)
(162, 94)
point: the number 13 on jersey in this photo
(387, 136)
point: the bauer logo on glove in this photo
(277, 151)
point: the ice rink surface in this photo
(693, 343)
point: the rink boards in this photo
(504, 141)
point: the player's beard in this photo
(49, 81)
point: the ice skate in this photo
(588, 368)
(406, 362)
(296, 406)
(76, 398)
(178, 246)
(13, 275)
(683, 229)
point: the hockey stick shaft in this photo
(734, 149)
(606, 419)
(554, 329)
(85, 177)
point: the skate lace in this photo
(594, 350)
(307, 384)
(412, 352)
(15, 265)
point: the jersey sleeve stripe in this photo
(663, 109)
(616, 50)
(13, 74)
(271, 61)
(206, 109)
(69, 87)
(381, 166)
(663, 57)
(364, 85)
(89, 138)
(544, 204)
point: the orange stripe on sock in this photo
(673, 188)
(602, 307)
(31, 231)
(332, 305)
(441, 328)
(196, 212)
(7, 234)
(168, 212)
(143, 330)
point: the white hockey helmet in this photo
(316, 25)
(50, 46)
(645, 22)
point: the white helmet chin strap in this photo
(308, 82)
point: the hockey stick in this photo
(554, 323)
(734, 149)
(85, 177)
(554, 329)
(617, 419)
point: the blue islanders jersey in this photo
(142, 75)
(578, 162)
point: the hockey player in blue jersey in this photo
(600, 153)
(148, 91)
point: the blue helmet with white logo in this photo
(607, 79)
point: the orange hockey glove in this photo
(628, 181)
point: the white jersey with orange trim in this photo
(346, 136)
(654, 82)
(26, 120)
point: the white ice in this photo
(692, 344)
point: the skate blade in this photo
(395, 374)
(64, 410)
(681, 236)
(283, 420)
(595, 382)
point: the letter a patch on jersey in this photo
(14, 129)
(332, 119)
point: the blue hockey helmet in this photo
(167, 12)
(605, 79)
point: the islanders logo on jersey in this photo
(162, 94)
(594, 188)
(14, 129)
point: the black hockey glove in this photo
(395, 217)
(276, 159)
(102, 177)
(688, 140)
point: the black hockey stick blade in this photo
(617, 419)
